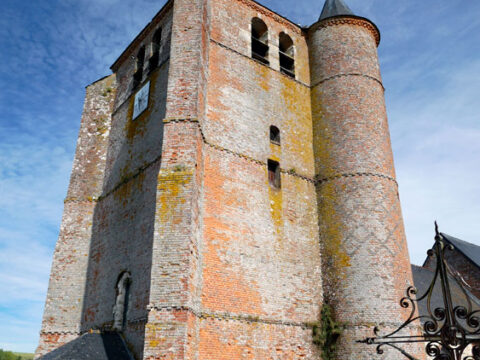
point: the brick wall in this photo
(366, 264)
(124, 217)
(261, 258)
(175, 250)
(63, 308)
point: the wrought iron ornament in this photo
(447, 330)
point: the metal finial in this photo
(450, 330)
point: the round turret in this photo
(366, 265)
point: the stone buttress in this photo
(64, 304)
(172, 326)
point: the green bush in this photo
(8, 355)
(326, 333)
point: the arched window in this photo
(287, 55)
(121, 301)
(260, 41)
(156, 42)
(274, 177)
(274, 135)
(138, 76)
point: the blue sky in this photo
(52, 49)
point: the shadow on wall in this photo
(124, 217)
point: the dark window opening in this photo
(274, 177)
(138, 76)
(156, 42)
(120, 309)
(274, 135)
(127, 299)
(287, 55)
(260, 41)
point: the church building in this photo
(233, 177)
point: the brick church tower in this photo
(232, 176)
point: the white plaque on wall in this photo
(141, 100)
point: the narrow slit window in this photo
(260, 41)
(274, 135)
(274, 177)
(121, 302)
(156, 43)
(287, 55)
(127, 300)
(138, 76)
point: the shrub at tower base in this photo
(326, 332)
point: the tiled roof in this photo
(422, 277)
(335, 8)
(471, 251)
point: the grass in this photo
(25, 356)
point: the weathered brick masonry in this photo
(366, 264)
(62, 318)
(223, 264)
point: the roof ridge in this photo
(469, 250)
(459, 240)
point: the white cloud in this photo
(436, 137)
(20, 334)
(51, 59)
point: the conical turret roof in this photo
(335, 8)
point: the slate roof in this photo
(335, 8)
(471, 251)
(108, 346)
(422, 277)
